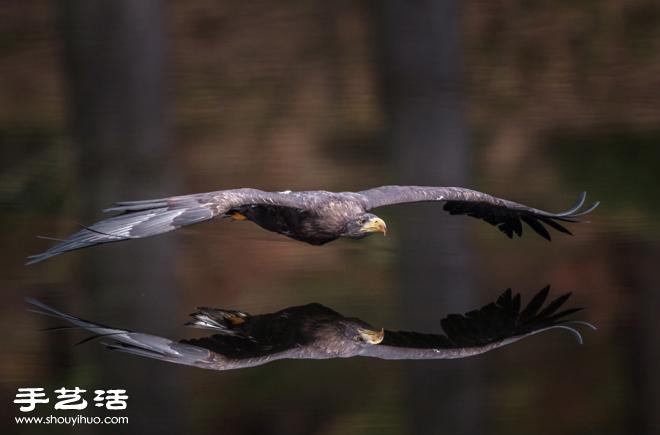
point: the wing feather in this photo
(479, 331)
(143, 344)
(218, 352)
(504, 214)
(534, 305)
(535, 225)
(148, 218)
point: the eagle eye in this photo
(362, 221)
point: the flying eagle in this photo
(316, 332)
(315, 217)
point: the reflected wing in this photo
(479, 331)
(506, 215)
(140, 219)
(218, 352)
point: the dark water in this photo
(310, 109)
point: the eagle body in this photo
(321, 218)
(313, 331)
(314, 217)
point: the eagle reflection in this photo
(316, 332)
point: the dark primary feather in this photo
(316, 332)
(506, 215)
(496, 324)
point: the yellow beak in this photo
(375, 225)
(373, 337)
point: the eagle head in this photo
(364, 225)
(345, 338)
(360, 334)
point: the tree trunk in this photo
(423, 93)
(115, 56)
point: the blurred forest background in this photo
(533, 101)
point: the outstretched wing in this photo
(506, 215)
(218, 352)
(140, 219)
(479, 331)
(132, 342)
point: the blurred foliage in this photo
(37, 171)
(619, 166)
(286, 95)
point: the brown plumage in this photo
(314, 217)
(315, 332)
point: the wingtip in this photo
(33, 301)
(36, 260)
(576, 334)
(40, 257)
(570, 212)
(580, 322)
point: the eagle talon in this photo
(237, 216)
(236, 320)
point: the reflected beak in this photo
(375, 225)
(373, 337)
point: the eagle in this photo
(313, 331)
(315, 217)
